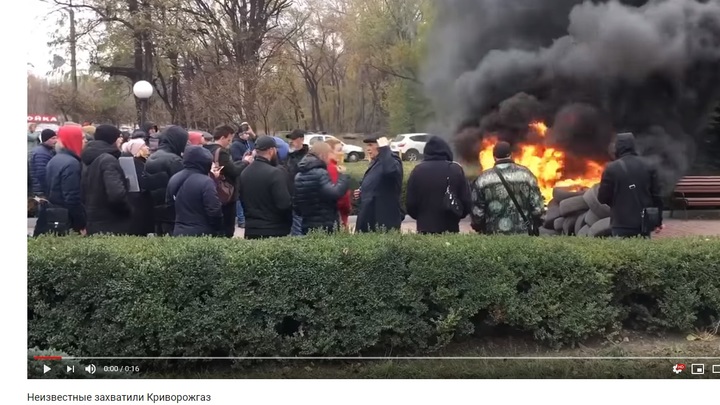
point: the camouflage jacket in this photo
(493, 211)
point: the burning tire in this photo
(600, 228)
(600, 210)
(560, 194)
(553, 213)
(573, 205)
(558, 224)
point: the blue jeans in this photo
(296, 229)
(240, 213)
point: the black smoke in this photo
(588, 68)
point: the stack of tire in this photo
(576, 213)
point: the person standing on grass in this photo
(344, 204)
(104, 186)
(265, 194)
(63, 174)
(298, 151)
(231, 170)
(316, 194)
(381, 188)
(629, 185)
(193, 195)
(432, 184)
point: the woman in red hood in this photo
(344, 205)
(63, 208)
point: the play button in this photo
(45, 369)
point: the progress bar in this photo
(374, 358)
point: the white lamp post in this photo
(143, 90)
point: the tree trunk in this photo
(73, 50)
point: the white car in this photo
(409, 146)
(352, 153)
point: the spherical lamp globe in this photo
(143, 89)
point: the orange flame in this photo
(545, 162)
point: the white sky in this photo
(38, 35)
(42, 24)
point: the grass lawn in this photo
(627, 346)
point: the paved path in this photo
(673, 227)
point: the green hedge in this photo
(350, 294)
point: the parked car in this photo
(352, 153)
(409, 146)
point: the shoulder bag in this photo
(532, 228)
(649, 216)
(450, 201)
(225, 189)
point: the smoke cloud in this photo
(588, 68)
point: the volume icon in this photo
(90, 369)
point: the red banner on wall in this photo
(41, 118)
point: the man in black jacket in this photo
(167, 161)
(104, 185)
(628, 186)
(265, 194)
(316, 197)
(193, 195)
(231, 170)
(427, 186)
(298, 150)
(380, 189)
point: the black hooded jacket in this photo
(426, 189)
(162, 165)
(627, 192)
(105, 190)
(316, 196)
(193, 195)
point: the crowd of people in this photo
(173, 182)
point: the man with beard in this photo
(264, 192)
(104, 185)
(166, 160)
(298, 150)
